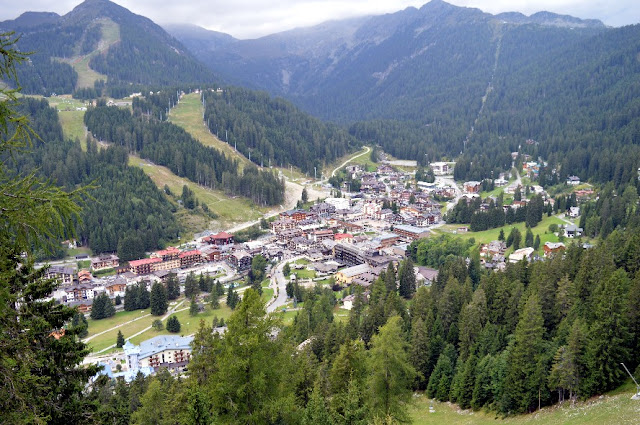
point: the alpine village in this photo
(429, 216)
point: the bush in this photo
(157, 325)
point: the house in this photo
(573, 231)
(240, 260)
(346, 276)
(222, 238)
(163, 351)
(521, 254)
(282, 225)
(425, 275)
(62, 274)
(117, 286)
(472, 186)
(144, 265)
(323, 209)
(573, 180)
(350, 254)
(574, 212)
(295, 215)
(441, 168)
(347, 302)
(320, 235)
(211, 253)
(104, 261)
(551, 248)
(84, 276)
(189, 258)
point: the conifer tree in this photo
(390, 279)
(390, 372)
(173, 288)
(120, 340)
(173, 324)
(407, 277)
(144, 298)
(158, 300)
(193, 307)
(131, 298)
(523, 379)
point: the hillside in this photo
(142, 53)
(441, 81)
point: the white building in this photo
(163, 351)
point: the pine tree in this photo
(118, 300)
(131, 298)
(79, 322)
(286, 269)
(173, 288)
(158, 300)
(418, 352)
(528, 239)
(120, 340)
(390, 279)
(232, 298)
(523, 379)
(609, 335)
(97, 308)
(407, 276)
(191, 288)
(144, 298)
(214, 301)
(390, 372)
(173, 324)
(316, 411)
(536, 243)
(193, 307)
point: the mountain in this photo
(442, 81)
(126, 48)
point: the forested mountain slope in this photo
(144, 55)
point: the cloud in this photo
(255, 18)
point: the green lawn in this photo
(612, 409)
(487, 236)
(73, 126)
(302, 261)
(267, 294)
(229, 210)
(103, 341)
(97, 326)
(304, 274)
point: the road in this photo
(335, 170)
(279, 285)
(442, 181)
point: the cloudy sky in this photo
(255, 18)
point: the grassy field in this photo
(487, 236)
(612, 409)
(109, 338)
(304, 274)
(229, 210)
(364, 160)
(97, 326)
(188, 115)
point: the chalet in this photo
(573, 231)
(211, 253)
(410, 232)
(222, 238)
(384, 169)
(573, 180)
(521, 254)
(62, 274)
(425, 275)
(79, 292)
(347, 302)
(324, 269)
(472, 186)
(104, 261)
(441, 168)
(144, 265)
(189, 258)
(343, 237)
(574, 212)
(295, 215)
(386, 240)
(551, 248)
(301, 244)
(240, 260)
(84, 276)
(365, 279)
(492, 249)
(531, 169)
(117, 286)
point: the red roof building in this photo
(144, 266)
(222, 238)
(189, 258)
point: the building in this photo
(323, 209)
(170, 258)
(472, 186)
(347, 275)
(62, 274)
(521, 254)
(574, 212)
(144, 266)
(426, 275)
(441, 168)
(222, 238)
(573, 180)
(105, 261)
(350, 254)
(410, 232)
(295, 215)
(240, 260)
(189, 258)
(163, 351)
(573, 231)
(551, 248)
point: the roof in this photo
(158, 344)
(221, 235)
(143, 261)
(410, 229)
(355, 270)
(168, 251)
(554, 245)
(60, 270)
(190, 253)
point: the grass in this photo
(72, 252)
(287, 316)
(109, 338)
(188, 324)
(267, 294)
(97, 326)
(364, 161)
(229, 210)
(487, 236)
(188, 115)
(73, 128)
(304, 274)
(613, 408)
(87, 76)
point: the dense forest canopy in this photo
(166, 144)
(273, 130)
